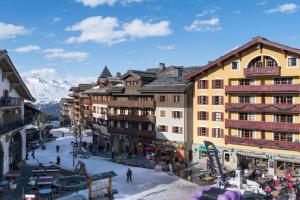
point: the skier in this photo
(57, 148)
(58, 160)
(170, 169)
(129, 175)
(26, 156)
(32, 154)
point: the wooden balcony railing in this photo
(142, 118)
(263, 108)
(263, 89)
(262, 71)
(7, 126)
(131, 131)
(137, 104)
(266, 126)
(10, 101)
(283, 145)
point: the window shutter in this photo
(213, 116)
(173, 114)
(207, 100)
(199, 84)
(198, 131)
(213, 132)
(206, 83)
(222, 133)
(207, 134)
(180, 114)
(198, 115)
(222, 84)
(222, 100)
(207, 115)
(213, 100)
(213, 84)
(173, 128)
(198, 100)
(222, 116)
(180, 130)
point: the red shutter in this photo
(206, 83)
(198, 100)
(198, 116)
(222, 116)
(207, 134)
(207, 100)
(213, 100)
(199, 84)
(213, 84)
(222, 84)
(207, 115)
(222, 100)
(213, 132)
(213, 116)
(222, 133)
(198, 131)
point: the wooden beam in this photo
(6, 75)
(13, 86)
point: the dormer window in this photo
(128, 83)
(292, 62)
(135, 82)
(162, 98)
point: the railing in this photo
(10, 101)
(9, 126)
(138, 104)
(261, 143)
(131, 131)
(132, 117)
(262, 71)
(263, 89)
(267, 126)
(263, 108)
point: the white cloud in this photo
(11, 31)
(208, 11)
(56, 19)
(167, 47)
(262, 3)
(209, 25)
(237, 12)
(63, 54)
(287, 8)
(27, 49)
(95, 3)
(109, 30)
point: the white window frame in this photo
(238, 66)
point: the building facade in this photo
(247, 103)
(66, 105)
(12, 133)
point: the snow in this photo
(147, 184)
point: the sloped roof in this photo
(105, 73)
(140, 74)
(255, 41)
(7, 66)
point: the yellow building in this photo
(247, 103)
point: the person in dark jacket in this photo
(58, 160)
(57, 148)
(129, 175)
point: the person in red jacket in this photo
(268, 190)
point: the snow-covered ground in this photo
(146, 184)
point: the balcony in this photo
(7, 126)
(131, 132)
(262, 71)
(142, 118)
(263, 108)
(129, 104)
(273, 144)
(266, 126)
(10, 101)
(263, 89)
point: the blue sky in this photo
(79, 37)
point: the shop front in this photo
(167, 150)
(287, 164)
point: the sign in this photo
(99, 187)
(29, 196)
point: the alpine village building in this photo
(12, 118)
(246, 102)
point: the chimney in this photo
(177, 72)
(118, 74)
(162, 66)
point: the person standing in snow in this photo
(129, 175)
(170, 169)
(32, 154)
(57, 148)
(58, 160)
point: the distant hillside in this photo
(51, 108)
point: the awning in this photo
(202, 148)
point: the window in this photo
(292, 62)
(283, 137)
(283, 81)
(176, 114)
(176, 99)
(202, 131)
(217, 132)
(283, 100)
(234, 65)
(246, 133)
(162, 128)
(162, 98)
(271, 63)
(217, 116)
(98, 110)
(246, 99)
(162, 113)
(246, 116)
(122, 111)
(5, 93)
(176, 129)
(217, 100)
(217, 84)
(128, 83)
(145, 112)
(203, 84)
(283, 118)
(202, 115)
(203, 100)
(94, 109)
(246, 82)
(135, 82)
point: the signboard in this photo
(100, 187)
(29, 196)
